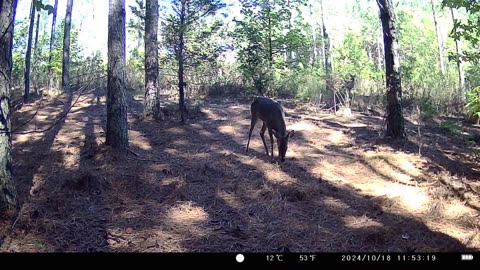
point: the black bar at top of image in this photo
(466, 260)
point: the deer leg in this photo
(262, 134)
(252, 125)
(271, 138)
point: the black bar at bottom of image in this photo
(303, 260)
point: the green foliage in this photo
(352, 57)
(473, 102)
(39, 6)
(195, 36)
(41, 55)
(467, 29)
(136, 25)
(265, 35)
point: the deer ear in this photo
(291, 133)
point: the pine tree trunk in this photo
(117, 126)
(329, 89)
(152, 102)
(379, 47)
(37, 28)
(8, 194)
(395, 120)
(52, 40)
(439, 40)
(66, 48)
(28, 56)
(314, 38)
(180, 52)
(461, 71)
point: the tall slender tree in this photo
(8, 195)
(38, 24)
(331, 96)
(117, 132)
(461, 70)
(28, 56)
(185, 14)
(52, 40)
(152, 102)
(66, 48)
(439, 39)
(395, 120)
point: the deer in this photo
(273, 117)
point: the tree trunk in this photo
(8, 194)
(28, 56)
(314, 37)
(117, 126)
(152, 102)
(379, 47)
(439, 39)
(37, 28)
(66, 48)
(290, 25)
(329, 89)
(36, 53)
(461, 71)
(395, 120)
(181, 84)
(322, 46)
(52, 40)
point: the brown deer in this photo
(273, 117)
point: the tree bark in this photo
(181, 84)
(329, 89)
(28, 56)
(461, 71)
(66, 48)
(152, 102)
(37, 28)
(379, 47)
(52, 40)
(8, 194)
(439, 39)
(117, 126)
(395, 120)
(314, 37)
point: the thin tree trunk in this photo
(330, 94)
(36, 53)
(37, 28)
(395, 120)
(28, 56)
(379, 47)
(181, 46)
(117, 126)
(461, 71)
(290, 24)
(270, 42)
(8, 194)
(52, 40)
(314, 37)
(66, 48)
(439, 39)
(152, 102)
(322, 47)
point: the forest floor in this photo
(193, 188)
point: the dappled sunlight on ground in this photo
(194, 188)
(302, 126)
(186, 215)
(411, 198)
(361, 222)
